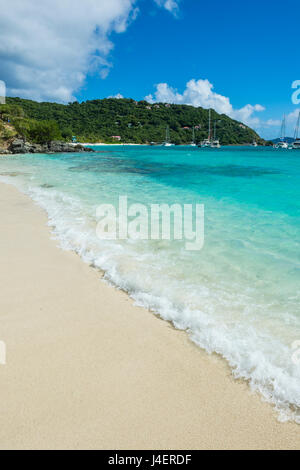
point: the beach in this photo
(87, 369)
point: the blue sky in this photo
(238, 57)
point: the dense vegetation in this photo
(14, 122)
(136, 122)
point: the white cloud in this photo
(291, 121)
(200, 93)
(47, 48)
(118, 96)
(293, 116)
(170, 5)
(273, 122)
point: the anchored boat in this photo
(193, 144)
(167, 142)
(296, 143)
(209, 142)
(215, 143)
(282, 144)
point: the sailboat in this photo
(167, 142)
(193, 144)
(215, 143)
(207, 142)
(296, 143)
(282, 144)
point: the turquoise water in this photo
(238, 296)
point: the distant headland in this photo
(114, 120)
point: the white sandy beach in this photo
(88, 369)
(100, 144)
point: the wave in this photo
(264, 361)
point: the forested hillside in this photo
(136, 122)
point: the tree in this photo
(43, 132)
(67, 133)
(98, 120)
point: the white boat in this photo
(167, 142)
(215, 144)
(207, 142)
(296, 143)
(193, 144)
(254, 144)
(282, 144)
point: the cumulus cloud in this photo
(273, 122)
(118, 96)
(201, 93)
(293, 116)
(171, 5)
(291, 120)
(47, 48)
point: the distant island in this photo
(114, 120)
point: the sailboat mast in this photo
(283, 129)
(209, 124)
(297, 127)
(167, 134)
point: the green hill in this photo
(136, 122)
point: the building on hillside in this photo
(116, 137)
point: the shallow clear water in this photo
(238, 296)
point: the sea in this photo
(239, 295)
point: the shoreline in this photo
(89, 369)
(119, 144)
